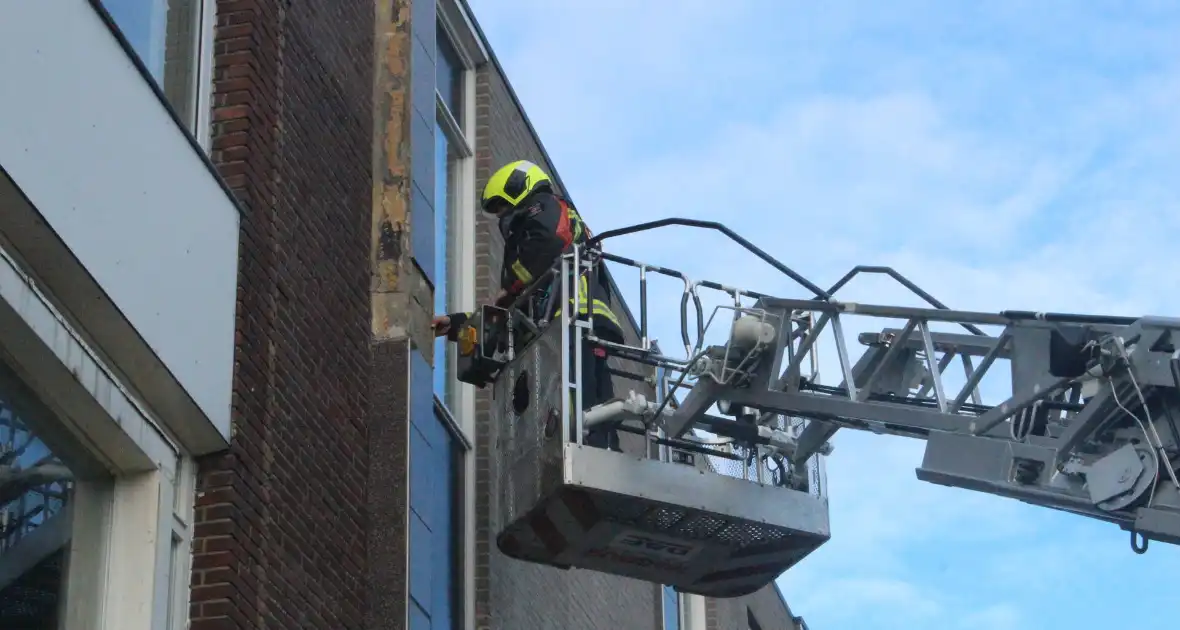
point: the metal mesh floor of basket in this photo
(621, 515)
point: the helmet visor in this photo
(496, 206)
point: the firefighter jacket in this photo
(535, 236)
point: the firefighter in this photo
(538, 226)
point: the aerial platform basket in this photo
(566, 505)
(1088, 426)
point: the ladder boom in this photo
(1088, 423)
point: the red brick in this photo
(276, 546)
(207, 593)
(223, 623)
(227, 113)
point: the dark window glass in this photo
(35, 487)
(449, 75)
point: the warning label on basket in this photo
(634, 560)
(654, 546)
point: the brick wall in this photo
(512, 595)
(281, 522)
(402, 236)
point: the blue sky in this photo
(1002, 154)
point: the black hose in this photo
(713, 225)
(696, 301)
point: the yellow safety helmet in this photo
(513, 183)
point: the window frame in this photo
(455, 22)
(132, 477)
(200, 124)
(204, 75)
(665, 590)
(446, 357)
(459, 130)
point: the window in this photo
(442, 551)
(179, 560)
(452, 147)
(35, 489)
(68, 506)
(171, 39)
(63, 515)
(444, 302)
(435, 562)
(752, 623)
(449, 75)
(672, 615)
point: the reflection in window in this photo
(444, 302)
(448, 149)
(165, 34)
(671, 609)
(34, 491)
(449, 75)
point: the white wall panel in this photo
(111, 177)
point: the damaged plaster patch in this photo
(390, 241)
(402, 299)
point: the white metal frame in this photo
(125, 573)
(458, 26)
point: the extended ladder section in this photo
(1084, 420)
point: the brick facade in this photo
(281, 519)
(303, 522)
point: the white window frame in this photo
(682, 608)
(458, 26)
(124, 572)
(203, 131)
(692, 608)
(201, 123)
(459, 128)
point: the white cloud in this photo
(1001, 158)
